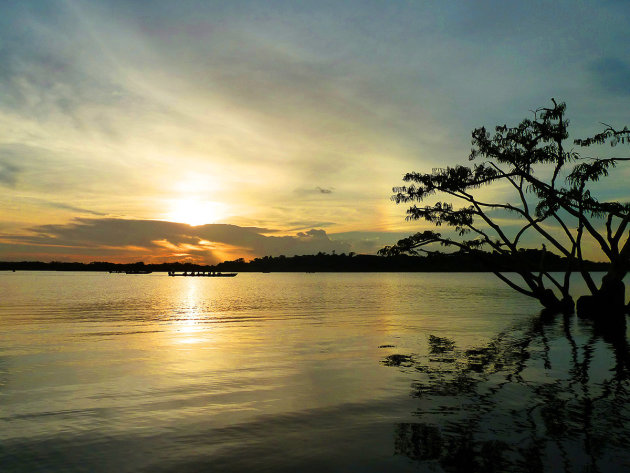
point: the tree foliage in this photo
(552, 196)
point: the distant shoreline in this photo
(530, 260)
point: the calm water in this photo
(302, 372)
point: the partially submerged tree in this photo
(552, 196)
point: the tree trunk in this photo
(609, 301)
(551, 302)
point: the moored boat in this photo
(203, 274)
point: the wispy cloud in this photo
(8, 173)
(612, 75)
(72, 208)
(323, 190)
(315, 190)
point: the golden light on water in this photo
(189, 322)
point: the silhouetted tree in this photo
(551, 196)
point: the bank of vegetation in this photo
(322, 262)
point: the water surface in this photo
(298, 372)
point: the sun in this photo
(195, 212)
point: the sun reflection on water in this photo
(190, 315)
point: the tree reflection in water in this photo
(551, 395)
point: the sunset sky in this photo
(211, 130)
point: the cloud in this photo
(312, 234)
(112, 105)
(53, 173)
(612, 75)
(8, 173)
(72, 208)
(123, 240)
(315, 190)
(370, 242)
(304, 224)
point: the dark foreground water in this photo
(302, 372)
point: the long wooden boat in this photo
(203, 274)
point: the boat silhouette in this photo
(203, 274)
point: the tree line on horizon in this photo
(459, 261)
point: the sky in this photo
(213, 130)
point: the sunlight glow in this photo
(195, 212)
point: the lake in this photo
(378, 372)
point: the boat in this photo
(203, 274)
(138, 271)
